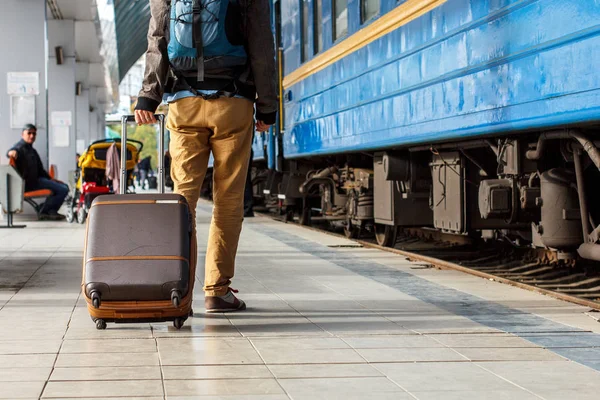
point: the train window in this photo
(318, 21)
(305, 42)
(369, 9)
(340, 23)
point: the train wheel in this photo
(385, 235)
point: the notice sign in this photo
(61, 122)
(22, 111)
(61, 118)
(60, 136)
(23, 83)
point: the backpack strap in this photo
(182, 81)
(197, 36)
(230, 88)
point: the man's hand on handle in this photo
(13, 154)
(143, 117)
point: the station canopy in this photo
(131, 30)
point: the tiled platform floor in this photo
(325, 321)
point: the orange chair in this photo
(42, 194)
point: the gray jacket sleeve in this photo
(261, 49)
(157, 61)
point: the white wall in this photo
(23, 49)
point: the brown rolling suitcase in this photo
(137, 262)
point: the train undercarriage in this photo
(535, 191)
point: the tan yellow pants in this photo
(223, 126)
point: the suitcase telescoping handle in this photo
(161, 150)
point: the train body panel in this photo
(464, 69)
(271, 149)
(258, 147)
(262, 146)
(468, 118)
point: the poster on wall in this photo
(22, 111)
(21, 83)
(60, 136)
(61, 118)
(61, 122)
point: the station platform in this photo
(326, 319)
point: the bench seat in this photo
(36, 194)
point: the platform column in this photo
(62, 112)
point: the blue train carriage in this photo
(470, 117)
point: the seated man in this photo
(31, 169)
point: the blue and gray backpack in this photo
(205, 35)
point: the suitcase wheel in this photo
(178, 323)
(191, 314)
(100, 324)
(176, 298)
(95, 296)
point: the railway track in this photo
(521, 267)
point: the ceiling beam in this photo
(54, 9)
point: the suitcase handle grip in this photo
(161, 150)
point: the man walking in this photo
(32, 171)
(220, 56)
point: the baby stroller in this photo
(91, 179)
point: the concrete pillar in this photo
(93, 126)
(23, 49)
(101, 124)
(83, 103)
(93, 107)
(83, 118)
(61, 96)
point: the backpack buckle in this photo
(212, 96)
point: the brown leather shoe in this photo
(223, 304)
